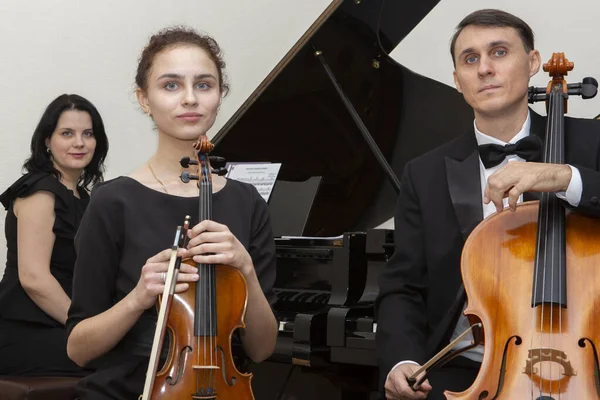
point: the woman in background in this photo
(44, 208)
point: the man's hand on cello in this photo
(516, 178)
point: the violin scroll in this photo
(204, 145)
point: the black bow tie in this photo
(529, 148)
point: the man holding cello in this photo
(447, 192)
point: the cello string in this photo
(555, 221)
(562, 239)
(552, 159)
(544, 204)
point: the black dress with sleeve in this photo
(31, 341)
(125, 224)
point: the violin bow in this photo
(165, 305)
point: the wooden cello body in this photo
(532, 277)
(531, 352)
(199, 322)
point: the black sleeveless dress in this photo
(125, 224)
(31, 342)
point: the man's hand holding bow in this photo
(516, 178)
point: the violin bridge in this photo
(200, 367)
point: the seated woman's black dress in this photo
(125, 224)
(31, 342)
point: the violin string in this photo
(553, 241)
(211, 268)
(209, 282)
(202, 216)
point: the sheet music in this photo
(261, 175)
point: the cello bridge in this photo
(548, 355)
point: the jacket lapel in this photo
(464, 184)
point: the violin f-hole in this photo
(223, 372)
(180, 366)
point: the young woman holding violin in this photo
(123, 242)
(44, 208)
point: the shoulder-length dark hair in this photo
(40, 159)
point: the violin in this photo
(200, 321)
(532, 280)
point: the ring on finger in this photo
(163, 276)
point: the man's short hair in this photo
(497, 19)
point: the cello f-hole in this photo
(485, 393)
(581, 343)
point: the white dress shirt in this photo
(572, 196)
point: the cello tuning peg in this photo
(589, 87)
(186, 162)
(590, 81)
(186, 177)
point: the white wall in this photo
(91, 48)
(570, 27)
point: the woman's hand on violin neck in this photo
(152, 278)
(213, 243)
(516, 178)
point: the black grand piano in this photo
(342, 151)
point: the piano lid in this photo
(295, 116)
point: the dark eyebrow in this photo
(491, 45)
(178, 76)
(66, 128)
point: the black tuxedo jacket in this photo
(420, 290)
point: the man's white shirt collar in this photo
(482, 138)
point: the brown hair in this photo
(174, 36)
(497, 19)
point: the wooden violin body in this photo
(202, 367)
(198, 323)
(533, 352)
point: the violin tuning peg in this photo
(186, 177)
(186, 162)
(220, 171)
(217, 162)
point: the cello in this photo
(200, 321)
(532, 280)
